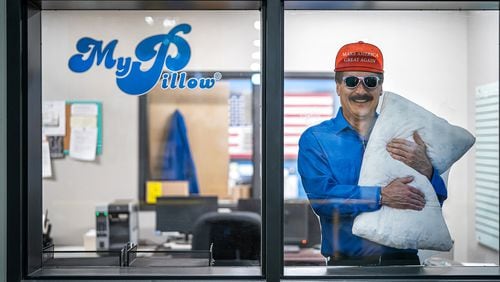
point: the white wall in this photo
(483, 49)
(3, 142)
(224, 44)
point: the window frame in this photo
(144, 169)
(24, 181)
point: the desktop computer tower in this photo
(296, 222)
(299, 218)
(116, 224)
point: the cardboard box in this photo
(89, 239)
(241, 192)
(175, 188)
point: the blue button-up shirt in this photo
(329, 163)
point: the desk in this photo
(305, 256)
(147, 256)
(176, 246)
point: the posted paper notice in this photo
(83, 121)
(54, 118)
(84, 109)
(46, 164)
(83, 143)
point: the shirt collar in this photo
(340, 123)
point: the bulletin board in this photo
(68, 124)
(206, 116)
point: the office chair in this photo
(235, 237)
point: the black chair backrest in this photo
(235, 235)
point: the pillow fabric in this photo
(446, 143)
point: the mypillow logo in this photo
(130, 78)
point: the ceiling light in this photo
(256, 24)
(255, 66)
(149, 20)
(256, 78)
(167, 22)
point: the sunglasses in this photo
(353, 81)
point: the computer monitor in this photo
(249, 205)
(180, 213)
(296, 221)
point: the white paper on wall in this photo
(54, 118)
(84, 109)
(46, 163)
(83, 143)
(83, 121)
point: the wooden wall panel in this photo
(206, 115)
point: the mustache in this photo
(361, 97)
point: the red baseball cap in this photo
(359, 56)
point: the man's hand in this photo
(412, 154)
(399, 195)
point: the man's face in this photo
(360, 102)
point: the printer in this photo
(116, 225)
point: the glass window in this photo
(443, 63)
(309, 99)
(148, 128)
(151, 140)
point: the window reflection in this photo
(431, 63)
(169, 99)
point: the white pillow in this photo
(446, 143)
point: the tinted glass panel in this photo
(148, 129)
(446, 63)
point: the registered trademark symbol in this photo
(218, 76)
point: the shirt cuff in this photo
(372, 196)
(439, 186)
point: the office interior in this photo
(123, 195)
